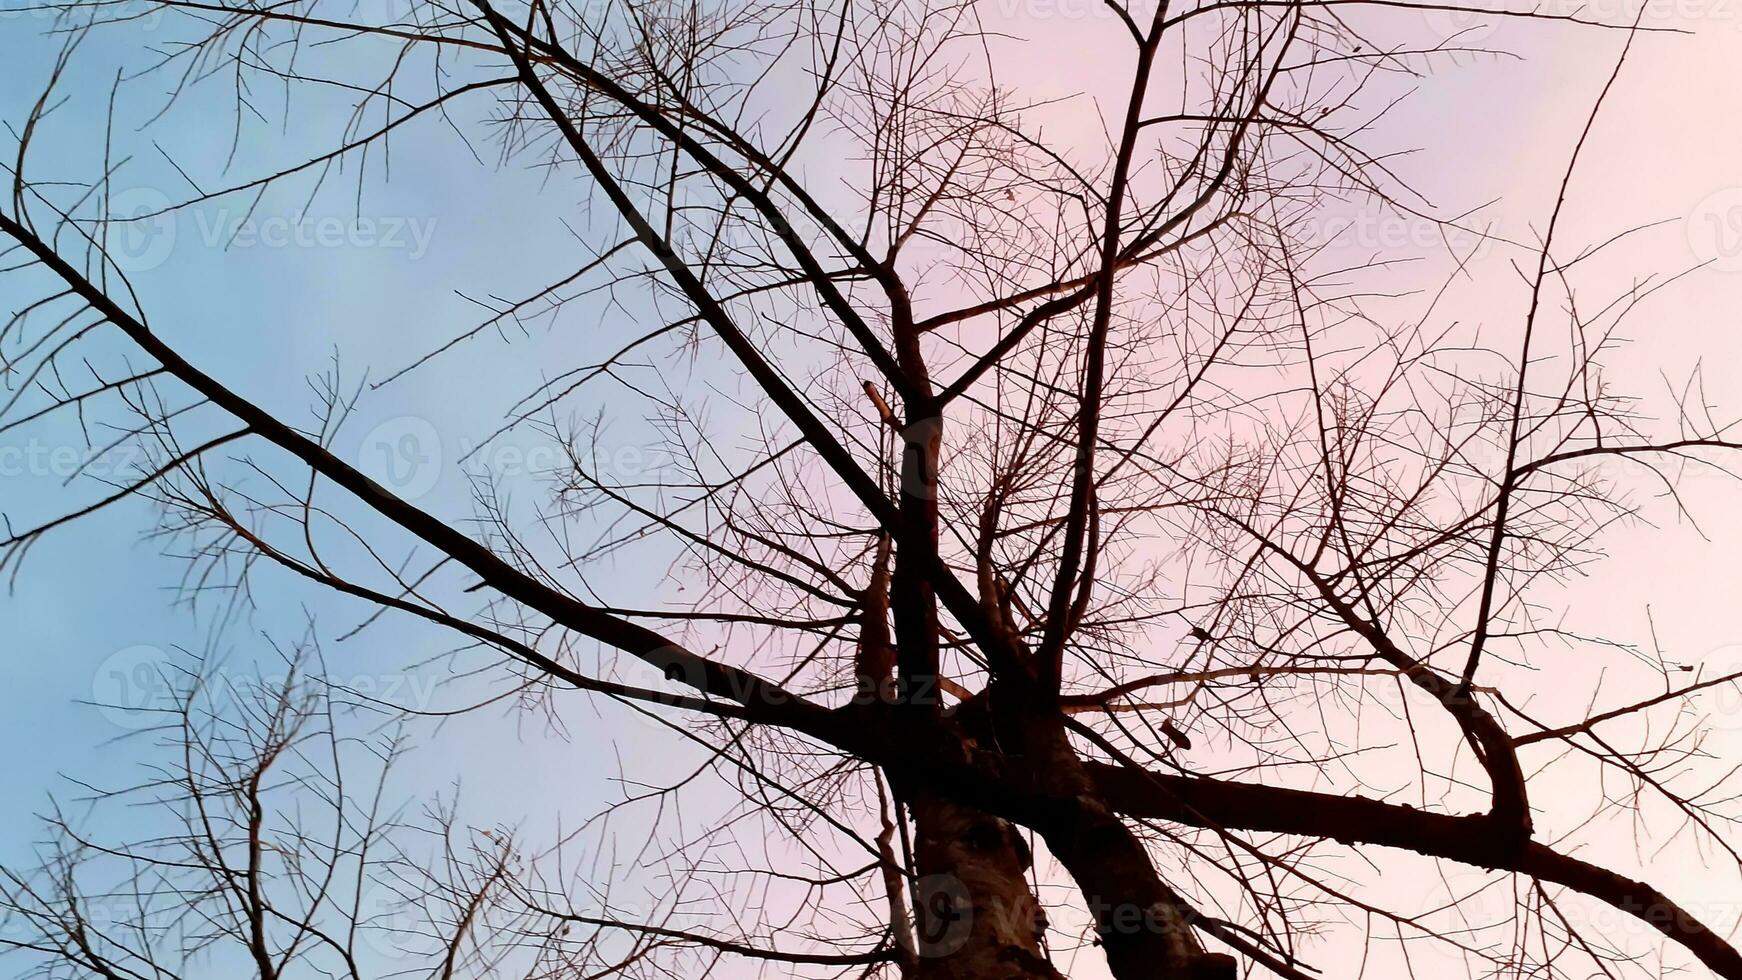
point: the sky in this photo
(270, 298)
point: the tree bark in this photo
(978, 919)
(1145, 929)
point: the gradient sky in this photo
(263, 315)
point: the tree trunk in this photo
(1145, 930)
(977, 917)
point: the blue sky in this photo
(268, 300)
(372, 285)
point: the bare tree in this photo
(270, 860)
(1073, 520)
